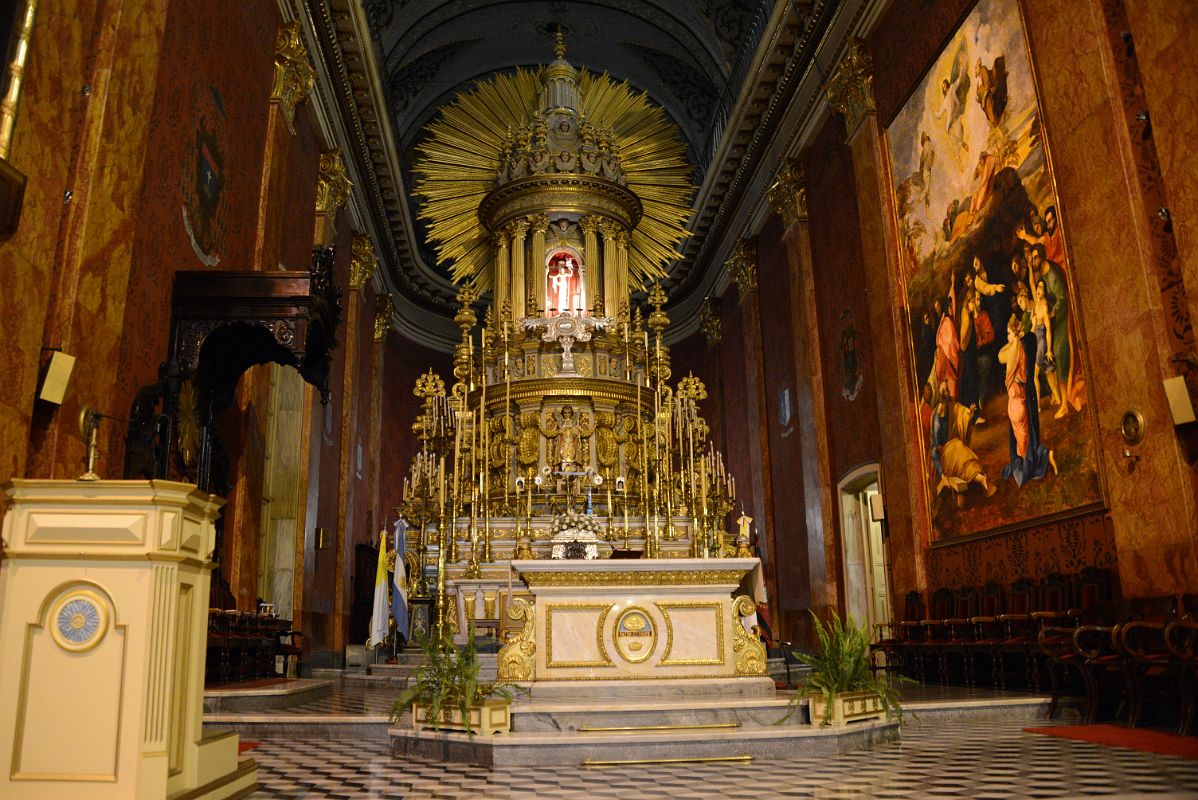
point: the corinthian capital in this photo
(539, 223)
(382, 316)
(788, 194)
(851, 89)
(362, 263)
(293, 73)
(742, 265)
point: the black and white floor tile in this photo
(996, 761)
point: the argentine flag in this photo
(399, 586)
(379, 618)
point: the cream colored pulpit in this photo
(103, 623)
(634, 620)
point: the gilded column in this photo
(622, 293)
(611, 288)
(502, 295)
(518, 230)
(590, 229)
(536, 258)
(850, 92)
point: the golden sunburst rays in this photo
(459, 159)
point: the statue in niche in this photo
(569, 434)
(564, 293)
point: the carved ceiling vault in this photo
(728, 73)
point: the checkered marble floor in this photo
(962, 759)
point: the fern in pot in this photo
(841, 686)
(446, 693)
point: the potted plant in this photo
(841, 687)
(446, 693)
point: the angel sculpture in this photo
(568, 434)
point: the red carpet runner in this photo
(1167, 744)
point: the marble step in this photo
(635, 748)
(603, 691)
(367, 680)
(703, 713)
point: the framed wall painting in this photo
(1004, 414)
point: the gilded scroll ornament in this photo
(362, 263)
(293, 73)
(788, 194)
(382, 316)
(332, 184)
(749, 651)
(851, 89)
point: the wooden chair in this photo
(987, 630)
(1181, 638)
(894, 638)
(935, 635)
(1018, 635)
(1057, 638)
(1152, 670)
(956, 650)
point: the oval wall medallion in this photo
(635, 635)
(79, 621)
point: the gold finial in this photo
(559, 45)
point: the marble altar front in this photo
(648, 619)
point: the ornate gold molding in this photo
(332, 184)
(750, 652)
(851, 89)
(382, 316)
(293, 73)
(517, 658)
(742, 265)
(710, 323)
(362, 263)
(706, 577)
(788, 194)
(560, 192)
(332, 190)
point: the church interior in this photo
(622, 398)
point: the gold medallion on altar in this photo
(635, 635)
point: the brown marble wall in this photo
(1129, 287)
(1134, 307)
(788, 508)
(81, 137)
(744, 424)
(92, 272)
(842, 303)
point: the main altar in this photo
(567, 496)
(555, 197)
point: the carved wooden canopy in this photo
(222, 324)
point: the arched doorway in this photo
(863, 548)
